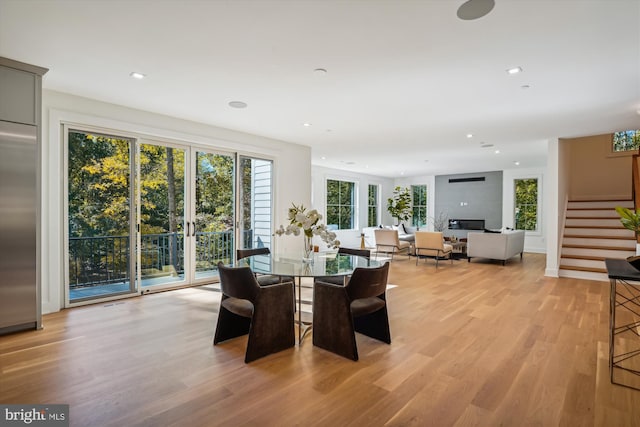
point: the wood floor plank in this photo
(473, 344)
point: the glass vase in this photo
(307, 254)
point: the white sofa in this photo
(500, 246)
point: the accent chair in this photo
(388, 241)
(431, 244)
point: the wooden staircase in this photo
(593, 232)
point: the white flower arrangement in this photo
(307, 222)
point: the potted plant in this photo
(399, 206)
(630, 219)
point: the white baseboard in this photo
(551, 272)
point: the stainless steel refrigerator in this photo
(18, 247)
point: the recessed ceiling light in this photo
(350, 163)
(320, 71)
(138, 76)
(306, 125)
(517, 163)
(497, 151)
(525, 87)
(323, 158)
(514, 70)
(402, 173)
(469, 135)
(238, 104)
(484, 145)
(426, 161)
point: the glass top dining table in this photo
(322, 264)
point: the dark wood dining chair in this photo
(359, 306)
(263, 279)
(265, 313)
(340, 280)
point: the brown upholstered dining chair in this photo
(359, 306)
(243, 253)
(339, 280)
(263, 279)
(265, 313)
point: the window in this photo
(372, 210)
(628, 140)
(526, 204)
(419, 205)
(340, 204)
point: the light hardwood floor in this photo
(476, 344)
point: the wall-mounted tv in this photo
(466, 224)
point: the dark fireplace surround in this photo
(466, 224)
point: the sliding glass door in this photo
(212, 226)
(161, 214)
(146, 215)
(101, 224)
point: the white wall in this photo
(351, 238)
(557, 191)
(292, 168)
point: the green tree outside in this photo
(627, 140)
(99, 197)
(526, 204)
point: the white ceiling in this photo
(406, 80)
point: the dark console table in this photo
(624, 323)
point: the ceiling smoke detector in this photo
(475, 9)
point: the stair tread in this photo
(585, 257)
(596, 227)
(592, 208)
(601, 200)
(593, 217)
(590, 269)
(613, 248)
(596, 236)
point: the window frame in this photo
(537, 230)
(424, 207)
(353, 205)
(376, 206)
(632, 151)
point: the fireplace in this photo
(466, 224)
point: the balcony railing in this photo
(103, 260)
